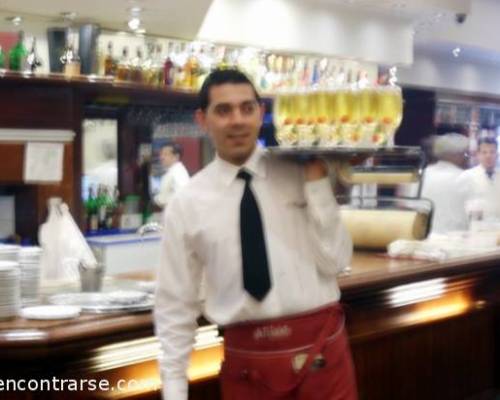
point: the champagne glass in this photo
(368, 116)
(390, 112)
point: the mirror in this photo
(100, 163)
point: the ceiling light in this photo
(16, 20)
(134, 23)
(456, 51)
(135, 10)
(68, 15)
(141, 31)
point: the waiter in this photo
(440, 183)
(176, 175)
(480, 185)
(265, 237)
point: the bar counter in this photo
(418, 330)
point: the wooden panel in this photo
(28, 106)
(448, 360)
(31, 200)
(12, 156)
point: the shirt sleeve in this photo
(332, 244)
(177, 304)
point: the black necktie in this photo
(490, 173)
(256, 278)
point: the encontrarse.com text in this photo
(76, 385)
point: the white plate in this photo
(126, 297)
(50, 312)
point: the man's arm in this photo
(330, 240)
(176, 304)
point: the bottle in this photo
(110, 209)
(91, 211)
(101, 207)
(191, 71)
(18, 54)
(2, 58)
(148, 74)
(158, 66)
(71, 59)
(180, 59)
(123, 68)
(169, 67)
(136, 67)
(110, 62)
(33, 61)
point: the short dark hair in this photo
(487, 140)
(220, 77)
(176, 148)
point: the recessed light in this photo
(70, 15)
(16, 20)
(456, 51)
(135, 10)
(134, 23)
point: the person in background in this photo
(414, 190)
(480, 185)
(440, 182)
(265, 237)
(176, 175)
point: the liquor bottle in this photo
(206, 63)
(33, 61)
(101, 206)
(91, 211)
(222, 58)
(123, 68)
(136, 67)
(110, 64)
(169, 67)
(180, 59)
(159, 78)
(18, 54)
(70, 58)
(2, 58)
(147, 69)
(110, 208)
(191, 71)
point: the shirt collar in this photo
(255, 165)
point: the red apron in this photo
(299, 357)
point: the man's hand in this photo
(315, 170)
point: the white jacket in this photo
(480, 193)
(175, 178)
(440, 185)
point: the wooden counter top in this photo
(372, 270)
(21, 338)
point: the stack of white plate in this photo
(9, 252)
(29, 264)
(10, 293)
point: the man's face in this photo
(487, 155)
(233, 119)
(167, 156)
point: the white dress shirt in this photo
(440, 185)
(307, 246)
(175, 178)
(480, 193)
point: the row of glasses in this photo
(344, 115)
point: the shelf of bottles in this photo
(319, 101)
